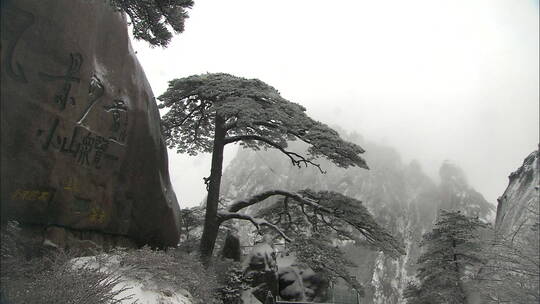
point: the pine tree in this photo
(152, 20)
(451, 251)
(207, 112)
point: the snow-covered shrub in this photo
(175, 268)
(50, 277)
(232, 280)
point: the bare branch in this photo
(296, 159)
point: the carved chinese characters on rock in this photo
(88, 139)
(78, 123)
(87, 148)
(66, 80)
(115, 111)
(119, 113)
(14, 23)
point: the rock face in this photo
(518, 207)
(260, 267)
(511, 274)
(400, 196)
(300, 283)
(81, 142)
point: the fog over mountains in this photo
(400, 196)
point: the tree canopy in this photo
(452, 250)
(207, 112)
(311, 221)
(327, 213)
(255, 115)
(153, 19)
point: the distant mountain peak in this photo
(401, 197)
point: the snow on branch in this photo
(296, 159)
(241, 204)
(340, 208)
(257, 222)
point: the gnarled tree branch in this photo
(365, 225)
(257, 222)
(296, 159)
(241, 204)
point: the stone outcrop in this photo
(513, 253)
(301, 283)
(456, 194)
(261, 270)
(81, 142)
(518, 207)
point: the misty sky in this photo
(437, 80)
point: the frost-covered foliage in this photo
(32, 274)
(319, 254)
(254, 114)
(49, 278)
(191, 220)
(191, 226)
(400, 196)
(207, 112)
(153, 19)
(332, 214)
(232, 281)
(513, 272)
(316, 222)
(176, 268)
(220, 282)
(452, 251)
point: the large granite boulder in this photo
(80, 129)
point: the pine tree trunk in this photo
(462, 296)
(211, 225)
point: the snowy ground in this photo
(142, 287)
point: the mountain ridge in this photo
(401, 197)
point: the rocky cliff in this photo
(82, 154)
(513, 255)
(518, 207)
(400, 196)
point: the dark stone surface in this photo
(81, 146)
(231, 248)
